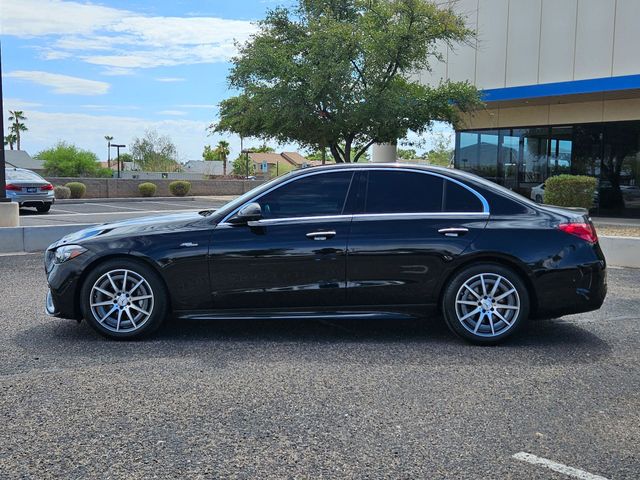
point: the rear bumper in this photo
(31, 200)
(570, 291)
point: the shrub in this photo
(147, 189)
(61, 192)
(67, 160)
(179, 188)
(77, 189)
(570, 191)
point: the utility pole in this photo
(117, 147)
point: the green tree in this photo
(442, 153)
(17, 126)
(407, 154)
(242, 166)
(10, 140)
(209, 154)
(222, 151)
(67, 160)
(338, 74)
(155, 153)
(108, 138)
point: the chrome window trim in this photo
(483, 201)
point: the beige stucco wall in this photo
(554, 114)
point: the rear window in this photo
(403, 192)
(18, 175)
(459, 199)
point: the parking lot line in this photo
(557, 467)
(118, 207)
(168, 203)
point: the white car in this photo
(537, 193)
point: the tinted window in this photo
(311, 196)
(397, 192)
(459, 199)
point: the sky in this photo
(82, 70)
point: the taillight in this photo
(13, 188)
(46, 187)
(585, 231)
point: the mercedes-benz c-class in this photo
(348, 241)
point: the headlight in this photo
(67, 252)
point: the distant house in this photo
(292, 159)
(21, 159)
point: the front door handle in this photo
(321, 235)
(453, 231)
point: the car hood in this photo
(135, 227)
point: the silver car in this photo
(29, 189)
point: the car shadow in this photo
(420, 341)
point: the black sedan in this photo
(348, 241)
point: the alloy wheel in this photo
(121, 300)
(487, 305)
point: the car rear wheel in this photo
(124, 299)
(485, 303)
(44, 208)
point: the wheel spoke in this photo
(108, 313)
(495, 287)
(471, 313)
(467, 302)
(113, 285)
(503, 319)
(119, 318)
(502, 306)
(478, 323)
(144, 297)
(124, 281)
(139, 309)
(104, 292)
(131, 318)
(505, 294)
(493, 331)
(102, 304)
(472, 291)
(136, 286)
(484, 285)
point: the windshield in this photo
(24, 175)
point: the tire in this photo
(538, 198)
(131, 313)
(464, 295)
(44, 208)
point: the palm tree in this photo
(10, 140)
(108, 138)
(222, 149)
(16, 116)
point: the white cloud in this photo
(170, 79)
(122, 39)
(172, 112)
(18, 104)
(197, 105)
(62, 84)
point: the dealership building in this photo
(561, 83)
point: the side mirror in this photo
(249, 213)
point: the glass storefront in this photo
(522, 158)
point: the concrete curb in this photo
(75, 201)
(34, 239)
(619, 251)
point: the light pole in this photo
(3, 192)
(108, 138)
(247, 152)
(117, 147)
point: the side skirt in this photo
(300, 315)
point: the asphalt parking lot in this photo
(316, 399)
(100, 212)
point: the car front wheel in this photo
(124, 299)
(485, 303)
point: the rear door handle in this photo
(453, 231)
(321, 235)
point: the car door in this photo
(409, 225)
(294, 256)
